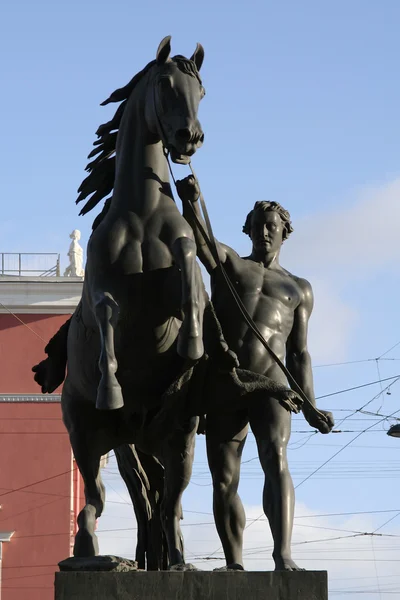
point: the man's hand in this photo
(188, 189)
(226, 358)
(324, 422)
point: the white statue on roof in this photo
(75, 255)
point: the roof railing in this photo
(38, 264)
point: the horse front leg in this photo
(178, 455)
(109, 393)
(190, 339)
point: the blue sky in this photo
(302, 108)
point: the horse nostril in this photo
(201, 138)
(184, 135)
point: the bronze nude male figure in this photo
(280, 304)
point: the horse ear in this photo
(164, 50)
(198, 56)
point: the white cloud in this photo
(354, 239)
(354, 562)
(331, 325)
(353, 242)
(323, 543)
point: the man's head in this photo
(268, 225)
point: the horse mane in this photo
(100, 181)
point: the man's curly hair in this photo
(267, 205)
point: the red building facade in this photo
(40, 490)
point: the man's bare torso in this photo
(271, 296)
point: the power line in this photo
(369, 402)
(23, 323)
(387, 351)
(347, 514)
(353, 362)
(323, 464)
(343, 448)
(257, 549)
(363, 578)
(357, 387)
(378, 585)
(23, 487)
(388, 521)
(373, 591)
(392, 380)
(362, 360)
(317, 516)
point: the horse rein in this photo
(212, 246)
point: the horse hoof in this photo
(86, 544)
(183, 567)
(190, 348)
(109, 396)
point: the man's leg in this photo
(226, 436)
(271, 423)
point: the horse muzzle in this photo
(182, 151)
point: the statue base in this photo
(192, 585)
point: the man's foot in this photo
(286, 564)
(231, 567)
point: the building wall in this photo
(22, 346)
(40, 490)
(36, 462)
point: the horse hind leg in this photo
(178, 455)
(190, 339)
(109, 393)
(86, 543)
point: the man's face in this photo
(266, 231)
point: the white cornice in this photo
(39, 295)
(30, 398)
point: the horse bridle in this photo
(212, 246)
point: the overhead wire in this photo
(390, 349)
(357, 387)
(315, 471)
(388, 521)
(353, 362)
(23, 322)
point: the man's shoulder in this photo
(229, 251)
(304, 286)
(228, 257)
(228, 254)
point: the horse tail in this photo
(50, 372)
(144, 477)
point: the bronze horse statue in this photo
(134, 346)
(140, 319)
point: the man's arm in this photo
(298, 360)
(189, 193)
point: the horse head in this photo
(173, 102)
(166, 93)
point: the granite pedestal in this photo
(197, 585)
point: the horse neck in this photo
(141, 167)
